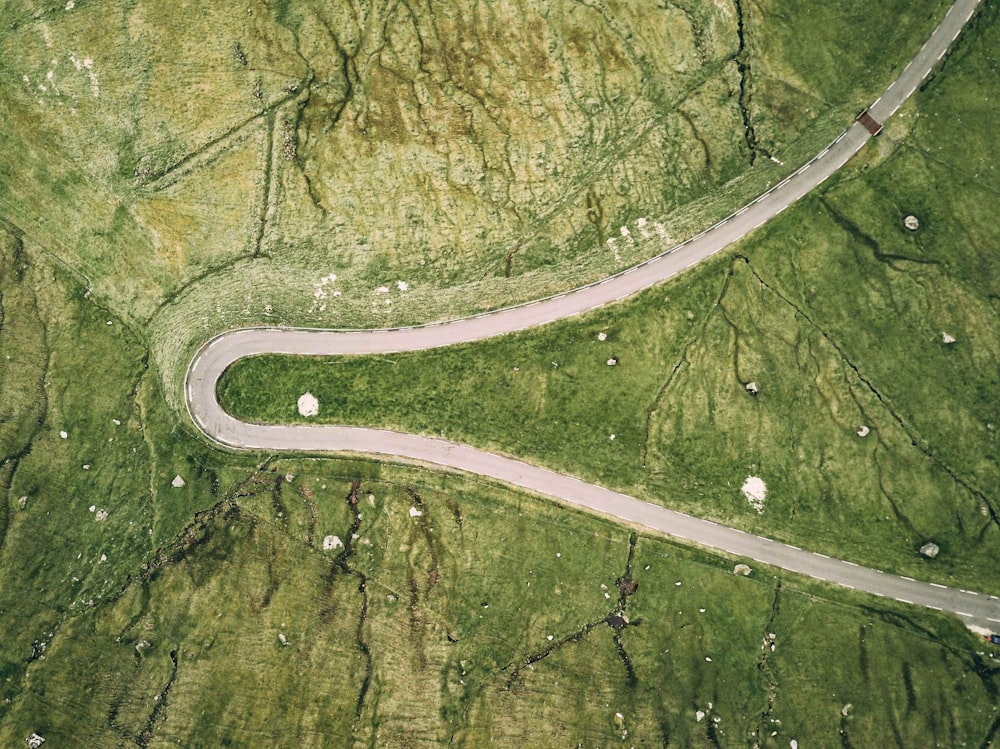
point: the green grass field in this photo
(835, 310)
(485, 618)
(178, 173)
(242, 160)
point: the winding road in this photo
(220, 352)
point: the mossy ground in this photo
(158, 193)
(836, 311)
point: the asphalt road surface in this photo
(215, 356)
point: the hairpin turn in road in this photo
(219, 353)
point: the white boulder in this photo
(308, 405)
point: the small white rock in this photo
(178, 482)
(22, 502)
(602, 336)
(101, 516)
(64, 435)
(755, 492)
(104, 557)
(116, 422)
(92, 508)
(331, 542)
(863, 431)
(282, 639)
(415, 513)
(308, 405)
(742, 569)
(947, 337)
(612, 362)
(699, 716)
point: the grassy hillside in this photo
(836, 311)
(168, 170)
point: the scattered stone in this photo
(699, 716)
(289, 478)
(282, 639)
(64, 435)
(331, 542)
(86, 466)
(612, 361)
(612, 437)
(707, 659)
(947, 337)
(308, 405)
(142, 645)
(911, 222)
(392, 598)
(104, 557)
(34, 741)
(415, 513)
(863, 431)
(178, 482)
(116, 422)
(846, 709)
(752, 388)
(793, 744)
(602, 336)
(92, 508)
(371, 499)
(22, 502)
(755, 491)
(101, 515)
(930, 550)
(402, 285)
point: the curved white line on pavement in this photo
(215, 356)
